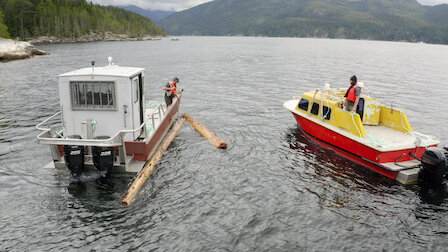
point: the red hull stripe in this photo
(139, 149)
(344, 146)
(377, 167)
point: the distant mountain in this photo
(437, 14)
(155, 16)
(404, 20)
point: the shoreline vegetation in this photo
(64, 21)
(28, 19)
(14, 50)
(91, 37)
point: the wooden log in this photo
(205, 132)
(149, 166)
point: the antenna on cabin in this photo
(93, 66)
(109, 59)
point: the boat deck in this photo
(389, 139)
(385, 137)
(156, 110)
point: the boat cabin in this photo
(327, 105)
(101, 101)
(106, 122)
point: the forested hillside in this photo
(69, 19)
(399, 20)
(3, 29)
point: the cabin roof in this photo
(112, 70)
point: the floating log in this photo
(205, 132)
(149, 166)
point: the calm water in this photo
(272, 190)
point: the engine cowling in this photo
(435, 167)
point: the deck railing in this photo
(54, 137)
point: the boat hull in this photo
(142, 151)
(354, 150)
(137, 152)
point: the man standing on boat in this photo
(170, 91)
(352, 95)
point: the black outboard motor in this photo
(74, 157)
(435, 167)
(103, 157)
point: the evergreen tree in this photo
(3, 28)
(70, 19)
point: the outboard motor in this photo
(103, 157)
(74, 157)
(435, 167)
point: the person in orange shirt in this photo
(353, 93)
(170, 91)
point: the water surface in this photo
(272, 190)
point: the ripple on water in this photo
(273, 189)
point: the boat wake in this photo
(89, 176)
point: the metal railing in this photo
(51, 136)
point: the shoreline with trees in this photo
(62, 21)
(14, 49)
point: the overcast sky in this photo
(178, 5)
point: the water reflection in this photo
(433, 196)
(330, 164)
(337, 182)
(202, 198)
(327, 164)
(98, 192)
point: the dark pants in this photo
(169, 99)
(349, 105)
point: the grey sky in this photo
(178, 5)
(432, 2)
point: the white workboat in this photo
(104, 122)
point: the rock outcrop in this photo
(14, 50)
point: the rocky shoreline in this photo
(91, 37)
(14, 50)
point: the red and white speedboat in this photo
(104, 122)
(378, 137)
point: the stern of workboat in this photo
(104, 123)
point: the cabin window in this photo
(315, 108)
(93, 95)
(326, 112)
(303, 104)
(135, 90)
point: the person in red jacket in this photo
(352, 95)
(170, 91)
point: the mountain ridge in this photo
(155, 15)
(403, 20)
